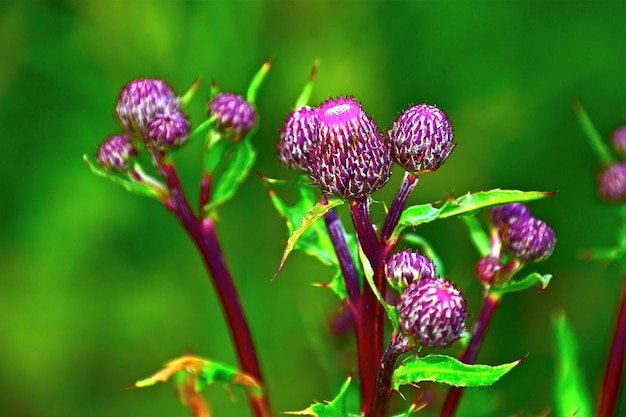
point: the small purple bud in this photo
(612, 182)
(509, 213)
(421, 139)
(487, 268)
(167, 129)
(297, 138)
(140, 100)
(234, 113)
(619, 140)
(432, 310)
(530, 240)
(116, 152)
(407, 266)
(350, 158)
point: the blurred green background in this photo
(98, 287)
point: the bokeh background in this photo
(98, 287)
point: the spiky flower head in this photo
(297, 137)
(140, 100)
(509, 213)
(167, 128)
(612, 182)
(350, 158)
(432, 311)
(619, 140)
(116, 152)
(421, 139)
(407, 266)
(530, 239)
(487, 268)
(235, 114)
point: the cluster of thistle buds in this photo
(342, 150)
(518, 237)
(149, 112)
(612, 180)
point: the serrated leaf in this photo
(466, 204)
(334, 408)
(530, 280)
(571, 395)
(447, 370)
(478, 236)
(337, 285)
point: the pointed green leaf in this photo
(337, 285)
(571, 395)
(479, 237)
(186, 98)
(335, 408)
(392, 311)
(447, 370)
(598, 145)
(257, 80)
(466, 204)
(305, 95)
(519, 285)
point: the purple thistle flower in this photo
(612, 182)
(530, 239)
(116, 153)
(619, 140)
(234, 113)
(350, 158)
(140, 100)
(297, 137)
(432, 310)
(407, 266)
(421, 139)
(487, 268)
(509, 213)
(166, 129)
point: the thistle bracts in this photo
(421, 139)
(612, 182)
(350, 158)
(235, 115)
(116, 152)
(407, 266)
(297, 138)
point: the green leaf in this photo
(466, 204)
(305, 95)
(186, 98)
(335, 408)
(479, 237)
(337, 285)
(392, 311)
(447, 370)
(239, 158)
(427, 250)
(598, 145)
(531, 280)
(571, 395)
(257, 80)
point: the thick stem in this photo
(454, 393)
(615, 364)
(397, 205)
(398, 345)
(204, 236)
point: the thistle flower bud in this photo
(619, 140)
(432, 311)
(530, 240)
(612, 182)
(509, 213)
(487, 268)
(140, 100)
(166, 129)
(407, 266)
(297, 138)
(421, 139)
(116, 152)
(234, 113)
(349, 158)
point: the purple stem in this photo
(398, 345)
(454, 393)
(397, 206)
(615, 364)
(204, 236)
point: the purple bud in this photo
(166, 129)
(350, 158)
(116, 152)
(140, 100)
(297, 138)
(612, 182)
(432, 310)
(421, 139)
(487, 268)
(407, 266)
(530, 240)
(509, 213)
(619, 140)
(234, 113)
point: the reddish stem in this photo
(204, 236)
(615, 364)
(397, 205)
(489, 307)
